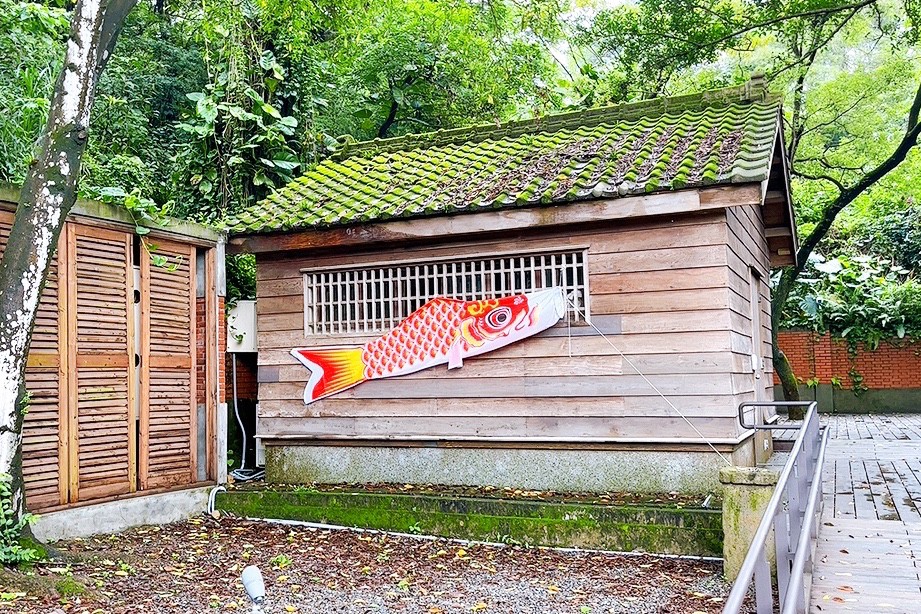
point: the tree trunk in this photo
(48, 194)
(782, 367)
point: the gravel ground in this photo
(195, 566)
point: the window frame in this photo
(352, 327)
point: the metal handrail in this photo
(775, 404)
(799, 519)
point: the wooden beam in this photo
(144, 392)
(129, 364)
(778, 232)
(64, 350)
(458, 225)
(190, 365)
(73, 422)
(212, 362)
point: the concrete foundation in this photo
(115, 516)
(746, 493)
(535, 469)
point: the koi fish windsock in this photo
(441, 331)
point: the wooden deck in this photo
(868, 557)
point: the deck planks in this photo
(868, 555)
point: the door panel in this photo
(168, 395)
(101, 386)
(44, 452)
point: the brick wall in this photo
(247, 384)
(200, 348)
(821, 357)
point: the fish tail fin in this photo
(331, 370)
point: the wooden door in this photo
(100, 322)
(168, 424)
(44, 451)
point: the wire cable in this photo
(646, 379)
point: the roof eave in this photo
(466, 224)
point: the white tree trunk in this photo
(47, 196)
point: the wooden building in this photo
(662, 220)
(125, 361)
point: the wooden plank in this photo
(700, 229)
(521, 387)
(650, 343)
(503, 427)
(865, 507)
(882, 499)
(169, 324)
(72, 410)
(129, 366)
(901, 498)
(503, 220)
(657, 281)
(697, 407)
(193, 376)
(144, 418)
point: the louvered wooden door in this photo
(101, 385)
(168, 422)
(44, 451)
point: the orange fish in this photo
(441, 331)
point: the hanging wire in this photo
(646, 379)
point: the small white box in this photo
(241, 327)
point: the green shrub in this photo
(11, 550)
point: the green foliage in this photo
(11, 527)
(861, 299)
(239, 142)
(422, 65)
(26, 79)
(241, 278)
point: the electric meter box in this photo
(241, 327)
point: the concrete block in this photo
(122, 514)
(746, 493)
(561, 470)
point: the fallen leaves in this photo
(165, 571)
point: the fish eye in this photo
(499, 317)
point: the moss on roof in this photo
(714, 137)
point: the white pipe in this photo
(233, 360)
(212, 496)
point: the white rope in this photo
(646, 379)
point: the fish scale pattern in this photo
(715, 137)
(427, 333)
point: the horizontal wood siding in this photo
(101, 383)
(662, 291)
(748, 249)
(80, 431)
(168, 397)
(44, 453)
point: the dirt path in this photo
(195, 566)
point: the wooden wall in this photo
(748, 250)
(669, 293)
(103, 422)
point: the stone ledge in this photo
(662, 530)
(750, 476)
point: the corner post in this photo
(746, 493)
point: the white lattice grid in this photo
(375, 298)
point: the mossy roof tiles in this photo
(715, 137)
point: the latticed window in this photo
(377, 297)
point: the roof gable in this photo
(716, 137)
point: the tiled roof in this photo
(718, 136)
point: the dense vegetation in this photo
(207, 106)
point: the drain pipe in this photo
(212, 497)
